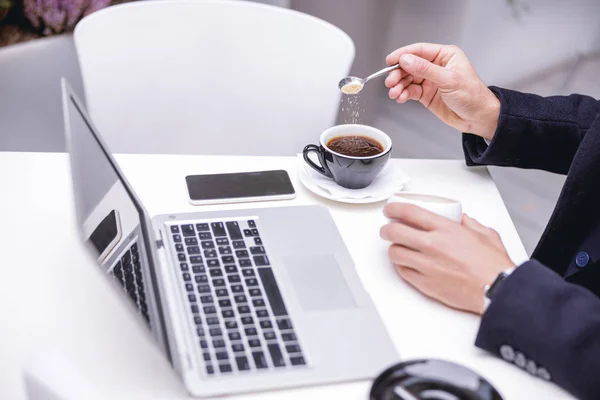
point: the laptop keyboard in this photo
(241, 322)
(128, 272)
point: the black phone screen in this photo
(105, 232)
(239, 185)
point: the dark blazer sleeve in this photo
(534, 132)
(552, 326)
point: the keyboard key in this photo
(247, 232)
(260, 360)
(258, 302)
(200, 332)
(205, 236)
(242, 363)
(206, 356)
(203, 289)
(184, 266)
(177, 238)
(196, 260)
(218, 282)
(197, 320)
(212, 321)
(262, 313)
(234, 336)
(239, 244)
(251, 282)
(292, 348)
(242, 253)
(276, 355)
(270, 335)
(195, 309)
(228, 260)
(202, 227)
(261, 261)
(179, 247)
(244, 309)
(258, 241)
(247, 320)
(188, 230)
(222, 355)
(252, 224)
(189, 287)
(272, 291)
(174, 229)
(237, 289)
(193, 250)
(210, 370)
(213, 263)
(254, 343)
(234, 230)
(204, 344)
(216, 272)
(135, 258)
(192, 298)
(221, 292)
(233, 278)
(288, 337)
(248, 272)
(266, 324)
(210, 310)
(240, 298)
(250, 332)
(218, 229)
(284, 324)
(297, 360)
(215, 332)
(225, 250)
(206, 299)
(210, 253)
(225, 303)
(217, 344)
(181, 256)
(230, 324)
(191, 241)
(255, 232)
(201, 278)
(228, 314)
(198, 269)
(245, 262)
(255, 292)
(257, 250)
(186, 277)
(222, 242)
(206, 244)
(225, 368)
(237, 347)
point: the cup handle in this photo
(319, 168)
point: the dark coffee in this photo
(355, 146)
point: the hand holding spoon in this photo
(353, 85)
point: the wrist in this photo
(490, 289)
(490, 115)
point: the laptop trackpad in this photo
(319, 283)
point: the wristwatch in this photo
(489, 290)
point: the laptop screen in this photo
(109, 218)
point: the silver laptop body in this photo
(239, 300)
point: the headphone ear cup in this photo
(383, 386)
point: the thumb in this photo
(422, 68)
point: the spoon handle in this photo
(382, 72)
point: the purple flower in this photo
(56, 16)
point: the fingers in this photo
(397, 90)
(416, 216)
(428, 51)
(422, 68)
(412, 92)
(473, 224)
(394, 77)
(400, 255)
(413, 277)
(404, 235)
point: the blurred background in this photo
(540, 46)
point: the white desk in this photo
(50, 294)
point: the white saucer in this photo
(307, 180)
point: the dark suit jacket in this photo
(545, 318)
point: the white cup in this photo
(449, 208)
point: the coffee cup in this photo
(355, 167)
(449, 208)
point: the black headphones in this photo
(431, 380)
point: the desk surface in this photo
(52, 297)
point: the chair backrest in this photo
(211, 76)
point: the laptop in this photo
(239, 300)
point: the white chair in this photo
(211, 77)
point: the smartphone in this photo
(106, 235)
(239, 187)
